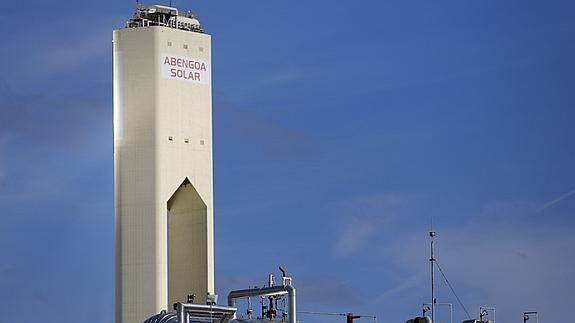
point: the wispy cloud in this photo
(513, 267)
(501, 211)
(41, 55)
(355, 235)
(48, 143)
(361, 218)
(409, 283)
(555, 201)
(325, 291)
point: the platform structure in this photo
(163, 182)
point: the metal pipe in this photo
(292, 304)
(432, 260)
(181, 313)
(271, 280)
(268, 291)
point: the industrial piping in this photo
(268, 291)
(184, 310)
(174, 10)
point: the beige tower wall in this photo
(162, 153)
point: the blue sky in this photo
(340, 130)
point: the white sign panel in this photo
(185, 69)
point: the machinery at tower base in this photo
(271, 295)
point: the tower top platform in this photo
(170, 17)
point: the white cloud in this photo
(46, 53)
(514, 268)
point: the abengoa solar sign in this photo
(185, 69)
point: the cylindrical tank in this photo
(163, 318)
(173, 318)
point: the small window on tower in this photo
(186, 140)
(185, 46)
(201, 49)
(201, 142)
(169, 43)
(170, 138)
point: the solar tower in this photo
(162, 162)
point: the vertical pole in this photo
(432, 260)
(181, 312)
(292, 315)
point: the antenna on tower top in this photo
(432, 262)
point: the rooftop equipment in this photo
(157, 15)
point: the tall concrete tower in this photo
(162, 162)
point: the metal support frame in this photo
(450, 305)
(526, 316)
(268, 291)
(484, 311)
